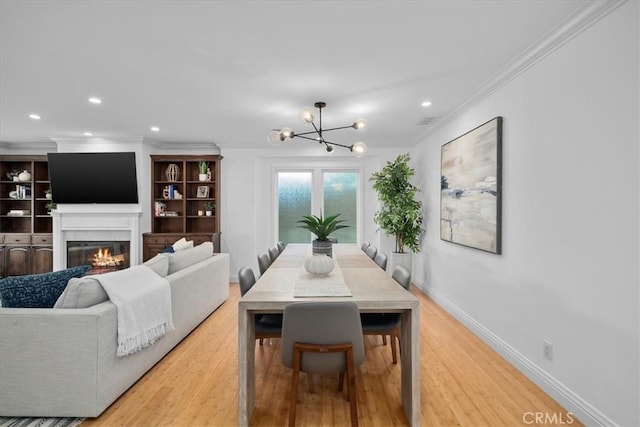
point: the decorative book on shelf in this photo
(19, 212)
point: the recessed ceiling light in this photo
(426, 103)
(87, 134)
(95, 100)
(35, 116)
(155, 128)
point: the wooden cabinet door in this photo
(2, 263)
(42, 259)
(17, 260)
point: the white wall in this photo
(247, 188)
(571, 224)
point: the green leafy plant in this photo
(400, 214)
(12, 174)
(321, 227)
(203, 167)
(209, 206)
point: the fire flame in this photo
(103, 258)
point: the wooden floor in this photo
(463, 383)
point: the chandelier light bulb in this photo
(359, 148)
(359, 124)
(286, 133)
(306, 115)
(274, 138)
(329, 148)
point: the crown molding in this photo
(172, 146)
(27, 147)
(575, 24)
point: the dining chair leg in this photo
(394, 357)
(293, 401)
(351, 388)
(347, 348)
(384, 339)
(341, 381)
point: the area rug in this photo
(40, 422)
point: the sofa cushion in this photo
(159, 264)
(182, 244)
(186, 257)
(37, 290)
(81, 293)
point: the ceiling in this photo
(228, 72)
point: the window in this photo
(307, 192)
(340, 195)
(294, 200)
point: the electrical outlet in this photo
(548, 350)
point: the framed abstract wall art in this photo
(470, 191)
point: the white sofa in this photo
(61, 362)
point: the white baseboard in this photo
(581, 409)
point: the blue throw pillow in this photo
(168, 250)
(37, 290)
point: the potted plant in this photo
(203, 167)
(49, 206)
(13, 175)
(400, 214)
(322, 227)
(208, 206)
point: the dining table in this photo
(355, 277)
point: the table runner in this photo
(332, 285)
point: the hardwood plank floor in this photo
(463, 383)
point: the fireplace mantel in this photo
(95, 222)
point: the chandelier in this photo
(278, 136)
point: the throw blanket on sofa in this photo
(143, 300)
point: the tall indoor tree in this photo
(400, 214)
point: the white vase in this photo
(24, 176)
(203, 177)
(318, 265)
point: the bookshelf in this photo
(179, 201)
(25, 223)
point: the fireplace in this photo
(95, 223)
(102, 256)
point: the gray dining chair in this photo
(264, 262)
(381, 260)
(401, 275)
(387, 323)
(266, 325)
(371, 251)
(280, 245)
(246, 279)
(273, 253)
(322, 338)
(364, 246)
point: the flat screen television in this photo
(93, 177)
